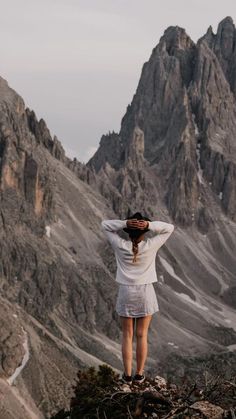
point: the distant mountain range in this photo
(173, 159)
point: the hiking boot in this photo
(139, 378)
(127, 379)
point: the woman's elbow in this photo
(172, 227)
(103, 224)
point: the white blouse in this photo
(143, 271)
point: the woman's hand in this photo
(137, 224)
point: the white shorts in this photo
(136, 300)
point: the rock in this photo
(11, 343)
(111, 152)
(156, 397)
(209, 410)
(43, 136)
(222, 43)
(160, 381)
(126, 388)
(82, 171)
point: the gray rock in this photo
(209, 410)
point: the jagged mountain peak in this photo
(185, 110)
(226, 24)
(228, 20)
(176, 37)
(223, 44)
(210, 29)
(225, 28)
(225, 37)
(9, 98)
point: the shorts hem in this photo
(137, 315)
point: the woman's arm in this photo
(163, 230)
(110, 228)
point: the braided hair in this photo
(134, 249)
(134, 234)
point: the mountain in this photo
(55, 287)
(174, 159)
(177, 137)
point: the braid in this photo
(134, 249)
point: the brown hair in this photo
(134, 236)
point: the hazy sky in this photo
(77, 63)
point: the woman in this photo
(135, 274)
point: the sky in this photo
(77, 63)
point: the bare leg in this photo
(142, 324)
(127, 343)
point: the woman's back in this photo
(143, 271)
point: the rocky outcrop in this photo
(43, 136)
(223, 45)
(112, 152)
(82, 171)
(155, 397)
(25, 179)
(11, 343)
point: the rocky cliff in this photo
(53, 283)
(174, 158)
